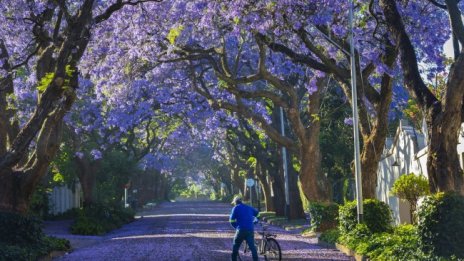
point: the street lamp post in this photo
(125, 197)
(284, 159)
(354, 94)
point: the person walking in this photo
(242, 218)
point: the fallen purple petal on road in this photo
(183, 231)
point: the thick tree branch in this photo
(116, 7)
(296, 57)
(408, 58)
(342, 73)
(454, 95)
(63, 11)
(439, 5)
(9, 126)
(48, 143)
(245, 112)
(456, 20)
(259, 95)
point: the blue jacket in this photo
(242, 217)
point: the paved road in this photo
(182, 231)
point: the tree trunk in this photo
(278, 191)
(12, 198)
(157, 187)
(268, 201)
(444, 170)
(296, 205)
(237, 181)
(263, 179)
(370, 157)
(164, 186)
(88, 182)
(17, 186)
(87, 174)
(313, 183)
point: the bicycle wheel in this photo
(272, 250)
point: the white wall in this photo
(404, 154)
(63, 198)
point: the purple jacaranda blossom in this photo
(348, 121)
(96, 154)
(79, 154)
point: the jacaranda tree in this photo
(41, 46)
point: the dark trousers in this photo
(249, 237)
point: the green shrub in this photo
(323, 216)
(356, 238)
(20, 230)
(99, 219)
(87, 226)
(377, 216)
(399, 245)
(58, 244)
(330, 236)
(411, 187)
(39, 205)
(441, 225)
(21, 238)
(11, 251)
(14, 252)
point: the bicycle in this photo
(266, 246)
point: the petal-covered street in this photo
(182, 231)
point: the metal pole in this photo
(125, 197)
(354, 94)
(284, 158)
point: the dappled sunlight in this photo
(185, 215)
(150, 236)
(167, 235)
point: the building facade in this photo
(403, 154)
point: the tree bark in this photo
(277, 195)
(370, 157)
(87, 174)
(12, 199)
(269, 202)
(444, 171)
(237, 181)
(314, 184)
(296, 205)
(17, 187)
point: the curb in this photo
(325, 244)
(350, 252)
(289, 228)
